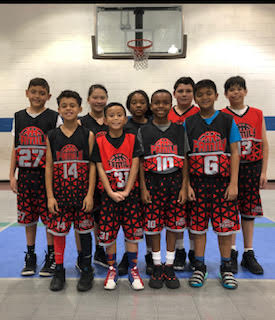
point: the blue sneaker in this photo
(135, 279)
(227, 277)
(199, 275)
(111, 279)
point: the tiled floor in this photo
(31, 299)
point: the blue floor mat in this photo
(13, 245)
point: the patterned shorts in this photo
(127, 214)
(210, 204)
(31, 196)
(164, 211)
(249, 200)
(60, 224)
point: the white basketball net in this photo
(140, 58)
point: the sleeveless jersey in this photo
(163, 151)
(117, 162)
(70, 166)
(250, 127)
(90, 123)
(173, 116)
(209, 145)
(30, 137)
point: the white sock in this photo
(192, 245)
(156, 258)
(234, 247)
(179, 244)
(170, 257)
(247, 249)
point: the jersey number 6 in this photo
(211, 165)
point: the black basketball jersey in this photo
(209, 145)
(163, 151)
(89, 122)
(132, 126)
(30, 137)
(70, 166)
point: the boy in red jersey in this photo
(184, 94)
(163, 186)
(253, 167)
(213, 160)
(31, 126)
(70, 182)
(117, 157)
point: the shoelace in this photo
(111, 273)
(135, 273)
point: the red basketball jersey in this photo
(173, 116)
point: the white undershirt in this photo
(239, 112)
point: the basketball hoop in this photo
(140, 49)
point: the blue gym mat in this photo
(13, 245)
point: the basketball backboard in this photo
(115, 26)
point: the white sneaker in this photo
(135, 279)
(111, 279)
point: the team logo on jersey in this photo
(208, 142)
(119, 161)
(164, 145)
(32, 136)
(69, 152)
(246, 130)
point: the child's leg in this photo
(111, 255)
(133, 273)
(112, 275)
(31, 235)
(148, 256)
(180, 253)
(225, 243)
(248, 231)
(30, 257)
(58, 280)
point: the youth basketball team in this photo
(173, 167)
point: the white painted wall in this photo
(54, 41)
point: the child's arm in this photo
(263, 179)
(13, 181)
(132, 178)
(185, 181)
(52, 203)
(88, 201)
(145, 194)
(116, 196)
(232, 190)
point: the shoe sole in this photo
(46, 274)
(171, 287)
(101, 264)
(154, 287)
(27, 273)
(84, 290)
(177, 268)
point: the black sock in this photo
(50, 249)
(98, 247)
(86, 246)
(59, 267)
(31, 249)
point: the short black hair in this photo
(39, 82)
(184, 80)
(162, 91)
(144, 94)
(205, 83)
(232, 81)
(112, 104)
(97, 86)
(69, 94)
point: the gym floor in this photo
(30, 298)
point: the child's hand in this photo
(13, 184)
(124, 193)
(116, 196)
(52, 205)
(263, 180)
(145, 196)
(182, 197)
(231, 192)
(88, 204)
(191, 194)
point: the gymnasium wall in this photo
(54, 41)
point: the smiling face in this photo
(38, 96)
(97, 100)
(69, 109)
(205, 97)
(115, 118)
(184, 95)
(236, 94)
(160, 105)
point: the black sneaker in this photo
(156, 280)
(85, 282)
(192, 259)
(58, 280)
(123, 265)
(30, 265)
(234, 261)
(199, 275)
(227, 278)
(249, 262)
(180, 257)
(100, 257)
(149, 263)
(171, 281)
(49, 266)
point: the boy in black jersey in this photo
(213, 160)
(31, 126)
(70, 180)
(117, 157)
(163, 185)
